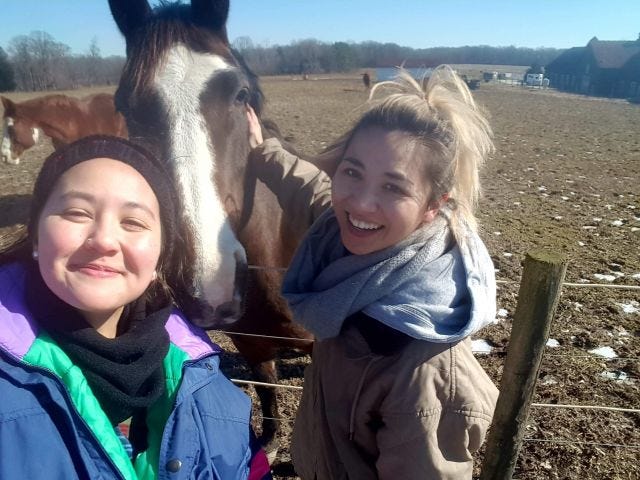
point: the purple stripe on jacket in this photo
(18, 329)
(193, 340)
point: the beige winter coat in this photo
(419, 414)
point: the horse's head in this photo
(184, 95)
(18, 133)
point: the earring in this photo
(154, 275)
(34, 255)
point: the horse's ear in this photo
(129, 14)
(8, 105)
(210, 13)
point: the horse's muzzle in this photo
(204, 315)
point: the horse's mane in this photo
(57, 101)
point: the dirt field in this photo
(564, 177)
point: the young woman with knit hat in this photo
(90, 338)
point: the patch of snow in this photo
(542, 188)
(618, 274)
(497, 233)
(502, 313)
(577, 305)
(606, 352)
(553, 343)
(548, 380)
(564, 198)
(635, 229)
(622, 332)
(516, 203)
(617, 223)
(582, 244)
(589, 227)
(481, 347)
(507, 254)
(631, 307)
(604, 277)
(597, 219)
(608, 206)
(616, 375)
(558, 217)
(636, 275)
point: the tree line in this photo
(38, 62)
(313, 56)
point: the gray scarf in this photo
(325, 283)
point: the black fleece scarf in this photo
(125, 373)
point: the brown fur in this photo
(63, 119)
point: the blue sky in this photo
(413, 23)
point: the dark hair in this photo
(172, 268)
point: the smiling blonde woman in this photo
(392, 279)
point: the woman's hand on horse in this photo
(255, 131)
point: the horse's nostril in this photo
(228, 312)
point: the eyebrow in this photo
(392, 175)
(91, 198)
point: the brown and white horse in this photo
(64, 119)
(184, 95)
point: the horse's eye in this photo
(243, 96)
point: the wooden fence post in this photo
(540, 287)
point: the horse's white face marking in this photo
(6, 143)
(180, 82)
(35, 134)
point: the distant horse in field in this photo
(184, 95)
(64, 119)
(366, 80)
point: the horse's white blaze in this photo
(5, 149)
(35, 134)
(180, 82)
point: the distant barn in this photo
(602, 68)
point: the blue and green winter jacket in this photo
(52, 426)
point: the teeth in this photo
(362, 225)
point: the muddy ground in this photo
(564, 177)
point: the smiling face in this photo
(99, 239)
(379, 193)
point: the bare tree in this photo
(39, 61)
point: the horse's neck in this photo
(47, 117)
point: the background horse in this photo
(366, 80)
(64, 119)
(184, 95)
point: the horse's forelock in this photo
(170, 25)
